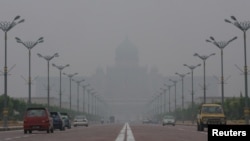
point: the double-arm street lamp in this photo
(221, 45)
(93, 102)
(70, 79)
(192, 67)
(89, 94)
(164, 99)
(6, 26)
(182, 97)
(243, 26)
(174, 81)
(48, 59)
(60, 68)
(83, 100)
(29, 45)
(169, 101)
(78, 85)
(204, 58)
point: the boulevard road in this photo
(112, 132)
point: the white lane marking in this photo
(122, 134)
(130, 136)
(18, 137)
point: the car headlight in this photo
(223, 120)
(204, 120)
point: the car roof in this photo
(210, 104)
(34, 108)
(168, 116)
(81, 116)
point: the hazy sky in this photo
(86, 33)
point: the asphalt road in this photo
(112, 132)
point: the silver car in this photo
(168, 120)
(80, 120)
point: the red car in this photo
(37, 119)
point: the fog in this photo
(86, 34)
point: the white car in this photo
(168, 120)
(80, 120)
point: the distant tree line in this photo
(16, 109)
(233, 108)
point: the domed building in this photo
(126, 83)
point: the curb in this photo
(11, 128)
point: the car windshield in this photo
(80, 117)
(64, 116)
(168, 117)
(36, 113)
(211, 109)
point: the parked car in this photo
(80, 120)
(58, 121)
(37, 119)
(67, 120)
(168, 120)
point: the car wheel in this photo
(198, 127)
(25, 131)
(51, 130)
(61, 128)
(201, 127)
(30, 131)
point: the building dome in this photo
(126, 52)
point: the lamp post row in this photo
(243, 26)
(6, 26)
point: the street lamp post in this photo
(29, 45)
(159, 103)
(221, 45)
(204, 58)
(182, 97)
(93, 102)
(48, 58)
(89, 94)
(164, 99)
(192, 75)
(243, 26)
(83, 101)
(155, 105)
(70, 79)
(60, 68)
(174, 81)
(7, 26)
(78, 85)
(169, 101)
